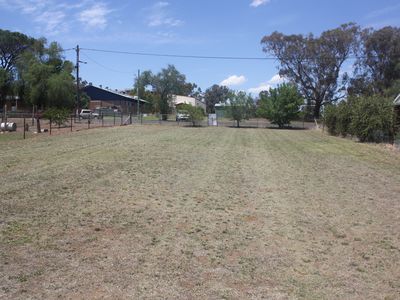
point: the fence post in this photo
(114, 118)
(71, 123)
(24, 127)
(88, 123)
(122, 119)
(50, 126)
(141, 119)
(130, 118)
(102, 120)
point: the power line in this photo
(103, 66)
(180, 56)
(202, 56)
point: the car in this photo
(106, 111)
(182, 116)
(88, 114)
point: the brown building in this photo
(104, 98)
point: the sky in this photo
(184, 27)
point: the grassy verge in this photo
(176, 212)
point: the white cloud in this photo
(260, 88)
(95, 16)
(53, 22)
(257, 3)
(233, 80)
(276, 79)
(383, 11)
(53, 17)
(265, 86)
(158, 15)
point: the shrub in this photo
(280, 105)
(57, 115)
(196, 114)
(372, 119)
(343, 118)
(330, 118)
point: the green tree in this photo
(5, 85)
(241, 107)
(47, 79)
(61, 92)
(12, 46)
(165, 84)
(280, 105)
(216, 94)
(378, 65)
(314, 63)
(57, 115)
(196, 114)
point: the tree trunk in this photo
(317, 109)
(38, 125)
(237, 123)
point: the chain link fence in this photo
(26, 125)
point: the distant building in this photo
(100, 98)
(179, 100)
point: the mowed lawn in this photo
(205, 213)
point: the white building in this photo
(177, 100)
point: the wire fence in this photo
(26, 125)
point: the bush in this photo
(330, 118)
(57, 115)
(280, 105)
(372, 119)
(241, 107)
(196, 114)
(343, 118)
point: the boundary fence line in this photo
(24, 125)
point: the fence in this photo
(34, 126)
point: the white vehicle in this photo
(88, 114)
(182, 116)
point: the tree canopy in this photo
(165, 84)
(35, 71)
(378, 65)
(12, 46)
(216, 94)
(314, 63)
(196, 113)
(240, 107)
(280, 105)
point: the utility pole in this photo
(138, 98)
(78, 98)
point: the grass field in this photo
(207, 213)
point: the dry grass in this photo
(218, 213)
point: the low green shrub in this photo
(57, 116)
(372, 119)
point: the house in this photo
(179, 100)
(100, 97)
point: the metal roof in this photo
(97, 93)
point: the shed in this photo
(100, 97)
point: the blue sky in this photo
(185, 27)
